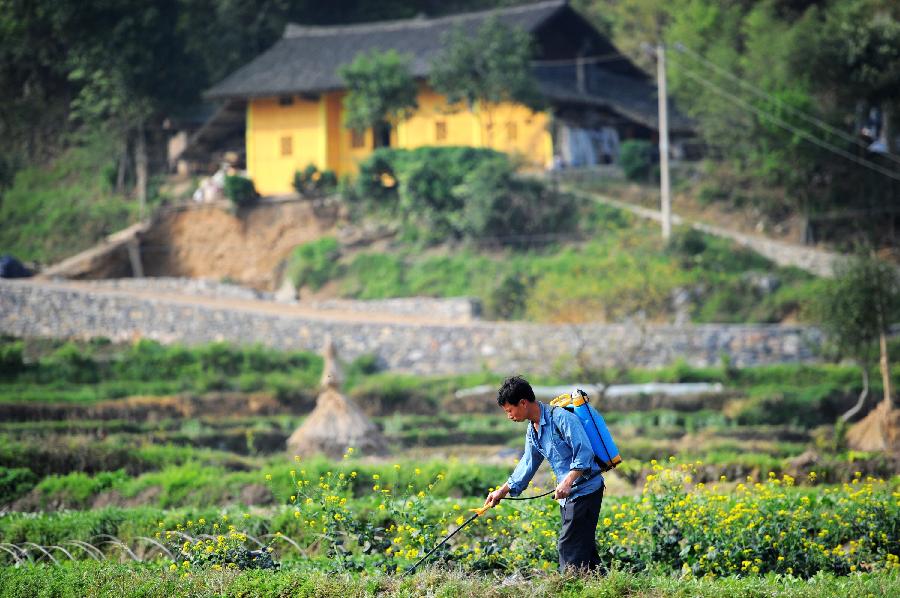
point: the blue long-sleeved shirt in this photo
(564, 443)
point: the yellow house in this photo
(292, 95)
(286, 133)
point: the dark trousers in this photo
(577, 537)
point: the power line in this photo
(787, 107)
(786, 125)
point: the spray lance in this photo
(477, 513)
(606, 454)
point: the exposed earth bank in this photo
(248, 247)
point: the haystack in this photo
(336, 423)
(878, 431)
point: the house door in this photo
(382, 134)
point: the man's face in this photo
(517, 413)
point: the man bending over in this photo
(556, 435)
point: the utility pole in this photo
(666, 200)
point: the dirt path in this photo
(816, 261)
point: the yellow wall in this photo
(269, 127)
(319, 137)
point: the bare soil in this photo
(248, 247)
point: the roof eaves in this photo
(296, 30)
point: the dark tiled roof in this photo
(307, 59)
(633, 98)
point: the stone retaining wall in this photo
(29, 308)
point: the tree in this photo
(380, 89)
(487, 68)
(856, 310)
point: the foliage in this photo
(380, 88)
(65, 206)
(240, 190)
(106, 579)
(486, 67)
(637, 158)
(15, 482)
(461, 192)
(859, 305)
(213, 545)
(11, 359)
(72, 372)
(511, 210)
(315, 263)
(309, 182)
(828, 62)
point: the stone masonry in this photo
(416, 345)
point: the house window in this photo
(357, 139)
(511, 132)
(440, 131)
(287, 146)
(286, 101)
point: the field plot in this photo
(164, 470)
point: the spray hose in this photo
(477, 513)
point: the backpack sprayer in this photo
(605, 452)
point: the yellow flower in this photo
(268, 477)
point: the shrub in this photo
(508, 299)
(637, 158)
(510, 210)
(421, 184)
(311, 182)
(15, 482)
(11, 362)
(315, 263)
(240, 191)
(70, 363)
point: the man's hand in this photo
(494, 498)
(564, 488)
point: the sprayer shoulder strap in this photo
(553, 424)
(586, 474)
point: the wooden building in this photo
(292, 96)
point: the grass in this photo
(611, 268)
(92, 579)
(53, 211)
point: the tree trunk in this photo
(862, 396)
(885, 369)
(140, 167)
(123, 165)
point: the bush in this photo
(11, 362)
(637, 158)
(420, 185)
(240, 191)
(310, 182)
(70, 363)
(315, 263)
(510, 210)
(15, 482)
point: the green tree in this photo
(486, 68)
(380, 89)
(856, 311)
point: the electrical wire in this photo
(787, 126)
(680, 47)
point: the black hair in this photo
(514, 390)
